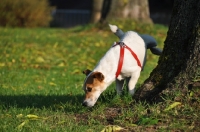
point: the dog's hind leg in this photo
(119, 86)
(132, 82)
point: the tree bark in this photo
(105, 10)
(134, 9)
(179, 64)
(96, 11)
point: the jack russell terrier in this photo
(125, 59)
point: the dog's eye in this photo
(89, 89)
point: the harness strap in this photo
(135, 56)
(121, 58)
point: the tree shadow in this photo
(68, 103)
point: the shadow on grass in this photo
(67, 103)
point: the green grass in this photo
(41, 83)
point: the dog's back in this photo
(137, 45)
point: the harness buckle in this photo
(121, 44)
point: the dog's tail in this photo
(117, 31)
(149, 40)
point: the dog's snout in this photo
(84, 103)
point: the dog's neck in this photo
(108, 67)
(108, 73)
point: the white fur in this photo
(150, 41)
(109, 63)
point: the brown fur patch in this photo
(93, 81)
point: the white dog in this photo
(131, 51)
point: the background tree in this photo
(134, 9)
(96, 10)
(179, 65)
(120, 9)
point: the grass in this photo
(41, 84)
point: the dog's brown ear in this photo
(99, 76)
(86, 72)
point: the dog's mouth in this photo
(86, 104)
(89, 102)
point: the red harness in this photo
(121, 58)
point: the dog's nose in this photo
(84, 103)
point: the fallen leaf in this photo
(61, 122)
(172, 106)
(61, 64)
(112, 128)
(39, 59)
(76, 71)
(19, 115)
(52, 84)
(2, 64)
(22, 124)
(30, 116)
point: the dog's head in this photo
(93, 87)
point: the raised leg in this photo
(119, 86)
(156, 51)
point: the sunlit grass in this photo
(41, 75)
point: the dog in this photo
(133, 47)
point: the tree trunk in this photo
(96, 11)
(179, 64)
(134, 9)
(105, 10)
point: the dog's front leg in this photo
(132, 82)
(119, 86)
